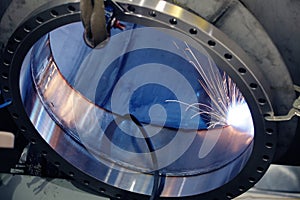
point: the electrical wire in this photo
(159, 178)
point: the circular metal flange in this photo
(229, 56)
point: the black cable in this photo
(159, 179)
(158, 185)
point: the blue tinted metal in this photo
(185, 103)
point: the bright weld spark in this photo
(227, 106)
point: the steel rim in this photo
(260, 104)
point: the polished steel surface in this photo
(55, 102)
(77, 114)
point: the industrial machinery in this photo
(150, 99)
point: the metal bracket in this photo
(295, 111)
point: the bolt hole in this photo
(262, 101)
(39, 20)
(57, 164)
(251, 180)
(23, 129)
(33, 141)
(173, 21)
(193, 31)
(71, 174)
(6, 89)
(152, 13)
(44, 153)
(269, 145)
(118, 196)
(253, 86)
(131, 8)
(229, 195)
(54, 13)
(228, 56)
(27, 29)
(86, 182)
(71, 9)
(4, 75)
(211, 43)
(10, 51)
(242, 188)
(15, 115)
(17, 39)
(242, 70)
(6, 63)
(260, 170)
(266, 158)
(269, 131)
(102, 190)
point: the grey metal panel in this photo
(281, 20)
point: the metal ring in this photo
(230, 57)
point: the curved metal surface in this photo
(226, 54)
(222, 149)
(233, 18)
(226, 15)
(283, 31)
